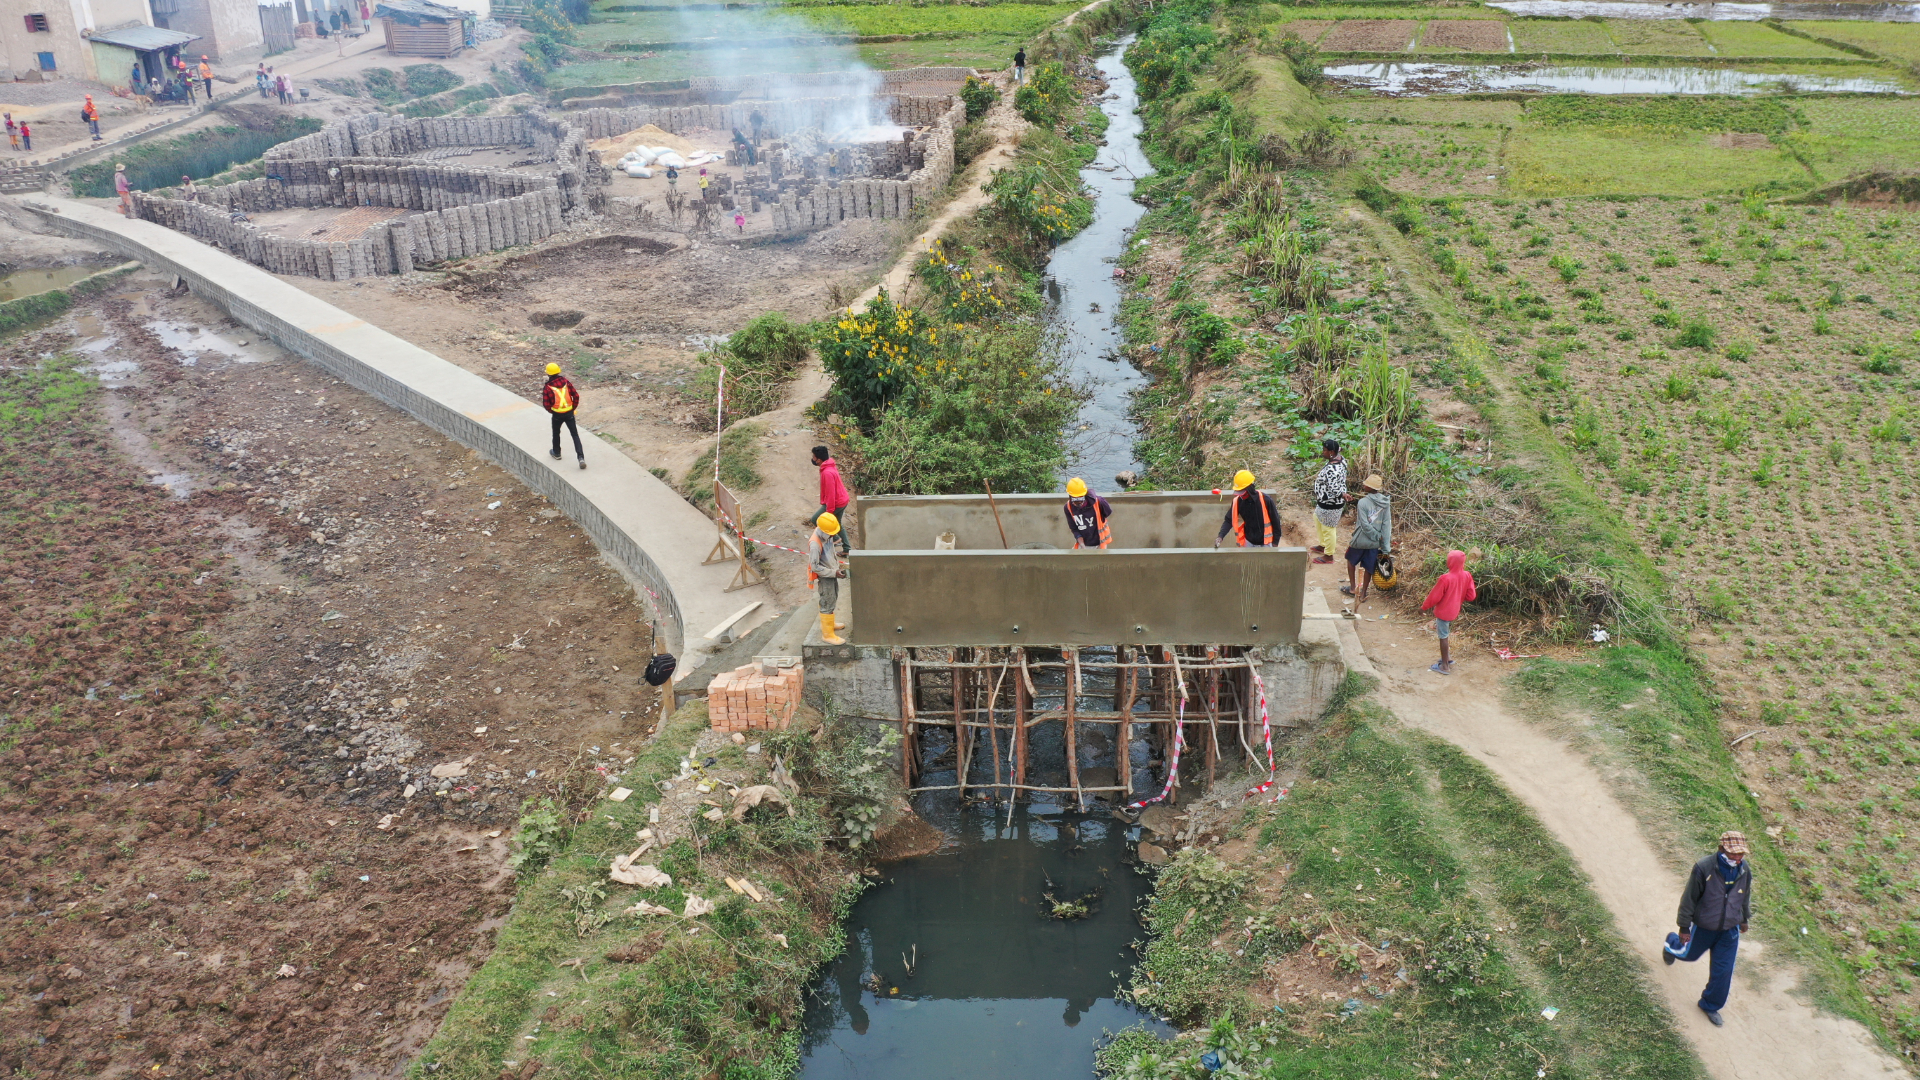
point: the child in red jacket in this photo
(1454, 588)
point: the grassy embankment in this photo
(1399, 915)
(587, 987)
(1582, 556)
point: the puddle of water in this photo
(192, 340)
(27, 282)
(1653, 9)
(1416, 80)
(1000, 991)
(1086, 295)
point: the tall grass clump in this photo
(155, 165)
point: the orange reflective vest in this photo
(1240, 527)
(206, 73)
(1099, 520)
(562, 399)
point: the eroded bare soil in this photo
(245, 608)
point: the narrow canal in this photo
(1085, 295)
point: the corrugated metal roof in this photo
(411, 10)
(143, 38)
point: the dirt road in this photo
(1772, 1032)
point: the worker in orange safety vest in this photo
(1087, 515)
(1251, 516)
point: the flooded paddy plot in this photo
(1419, 79)
(1655, 9)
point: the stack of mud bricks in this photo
(746, 699)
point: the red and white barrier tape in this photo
(1266, 737)
(728, 522)
(1179, 743)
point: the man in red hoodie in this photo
(1454, 588)
(561, 399)
(834, 496)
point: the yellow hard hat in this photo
(1076, 487)
(829, 524)
(553, 369)
(1242, 480)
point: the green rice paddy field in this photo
(1740, 381)
(1622, 146)
(959, 34)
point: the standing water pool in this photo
(999, 989)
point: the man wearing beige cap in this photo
(1714, 911)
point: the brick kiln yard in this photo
(626, 311)
(325, 601)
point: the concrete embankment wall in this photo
(643, 528)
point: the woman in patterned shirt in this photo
(1329, 501)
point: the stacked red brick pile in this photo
(745, 700)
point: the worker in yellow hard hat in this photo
(1252, 517)
(824, 573)
(1087, 515)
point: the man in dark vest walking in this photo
(1714, 911)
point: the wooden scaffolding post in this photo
(1022, 699)
(1213, 715)
(959, 684)
(1174, 718)
(1124, 759)
(993, 724)
(904, 665)
(1073, 759)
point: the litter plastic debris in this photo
(451, 769)
(619, 794)
(1210, 1061)
(1550, 1012)
(494, 505)
(756, 795)
(1352, 1007)
(287, 971)
(645, 908)
(697, 906)
(1597, 635)
(646, 876)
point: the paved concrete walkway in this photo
(652, 535)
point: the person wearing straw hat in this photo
(824, 573)
(123, 189)
(1372, 537)
(561, 399)
(1252, 517)
(1714, 910)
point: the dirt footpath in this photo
(1770, 1027)
(284, 665)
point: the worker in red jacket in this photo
(561, 399)
(834, 495)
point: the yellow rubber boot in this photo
(826, 630)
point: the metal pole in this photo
(959, 726)
(1123, 759)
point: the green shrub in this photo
(995, 409)
(1696, 334)
(760, 359)
(1740, 351)
(542, 834)
(874, 356)
(1046, 95)
(979, 96)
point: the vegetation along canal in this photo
(1086, 295)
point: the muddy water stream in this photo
(1086, 296)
